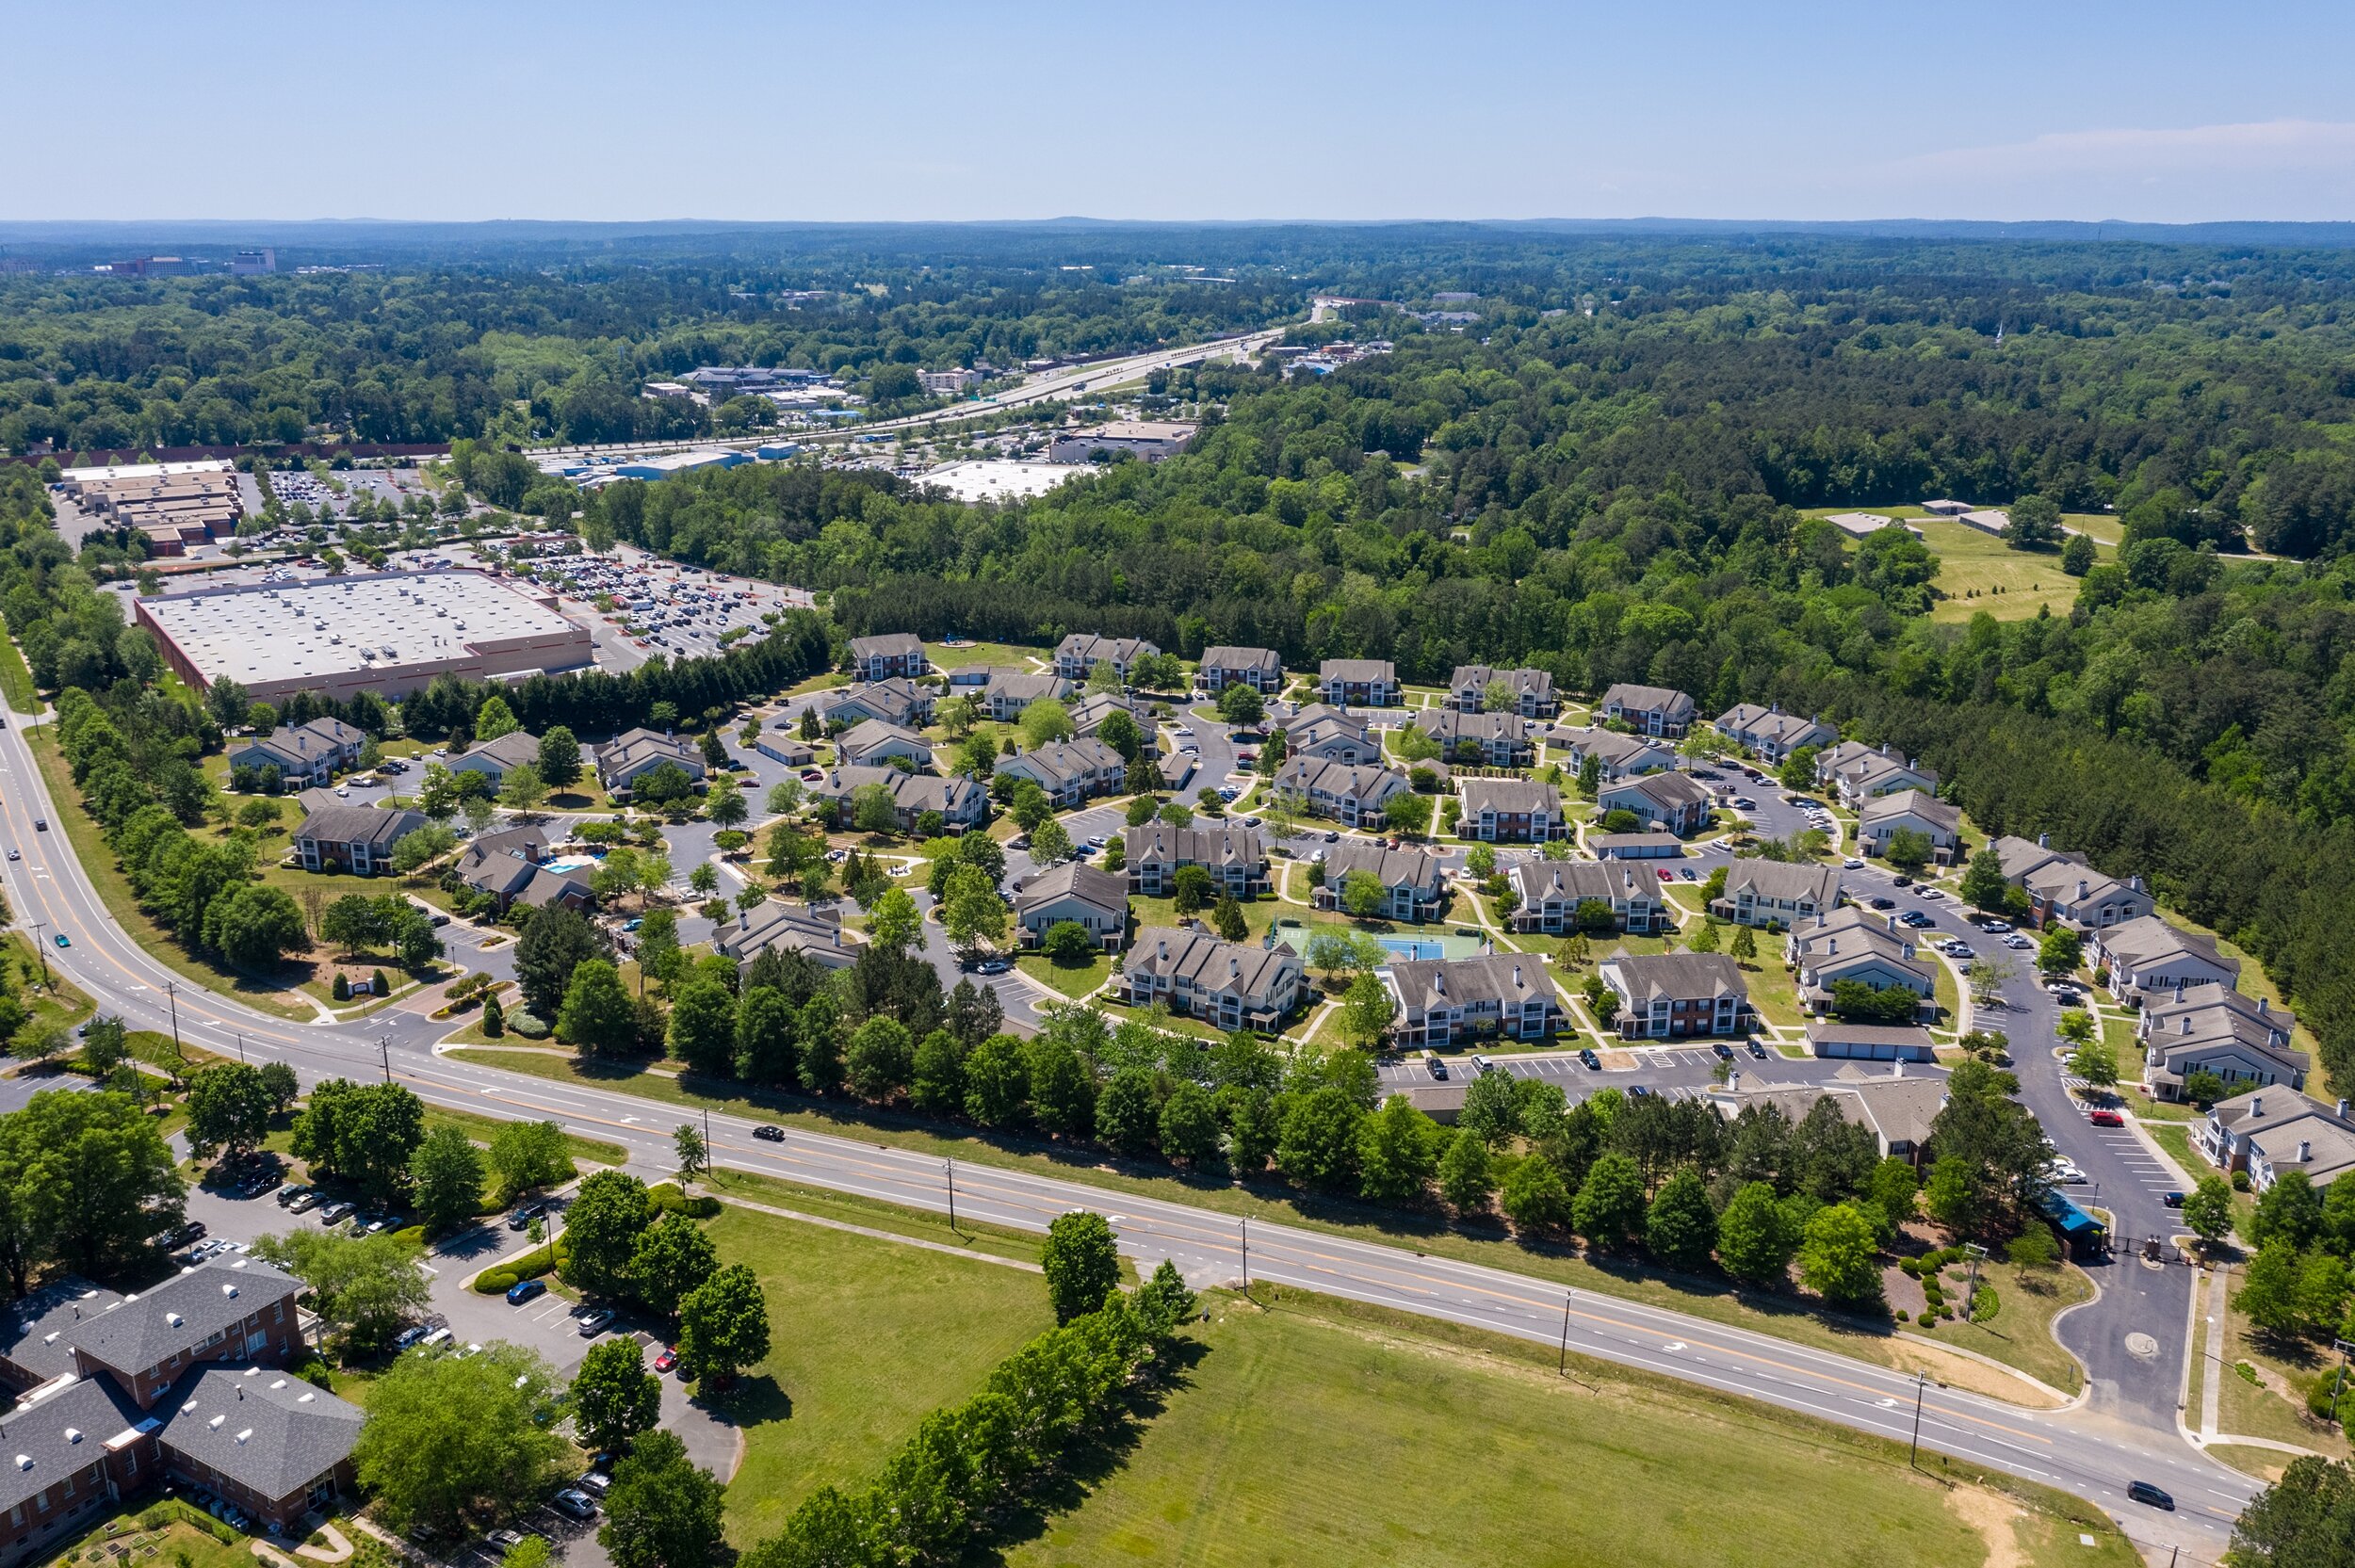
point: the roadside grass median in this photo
(1784, 1316)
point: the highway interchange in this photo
(2124, 1429)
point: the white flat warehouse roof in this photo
(998, 478)
(271, 633)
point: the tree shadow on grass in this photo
(747, 1402)
(1090, 1464)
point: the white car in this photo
(1852, 864)
(2018, 943)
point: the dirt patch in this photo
(1960, 1371)
(1996, 1518)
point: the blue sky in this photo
(419, 109)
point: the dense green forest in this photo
(97, 362)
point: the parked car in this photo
(2172, 1200)
(289, 1196)
(1884, 903)
(1725, 1052)
(525, 1290)
(1586, 1055)
(1483, 1065)
(307, 1200)
(410, 1336)
(596, 1483)
(1758, 1049)
(502, 1542)
(2102, 1116)
(1852, 864)
(668, 1359)
(1432, 1064)
(335, 1213)
(573, 1503)
(521, 1219)
(596, 1322)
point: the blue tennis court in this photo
(1414, 947)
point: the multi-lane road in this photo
(1069, 381)
(2091, 1451)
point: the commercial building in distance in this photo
(173, 504)
(1149, 439)
(389, 633)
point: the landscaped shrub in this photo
(497, 1282)
(376, 978)
(342, 988)
(526, 1024)
(667, 1198)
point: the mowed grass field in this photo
(1322, 1432)
(867, 1338)
(1979, 572)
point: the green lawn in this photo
(2021, 1332)
(2245, 1409)
(868, 1337)
(62, 1005)
(16, 680)
(1073, 981)
(98, 861)
(177, 1540)
(1306, 1435)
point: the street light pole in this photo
(41, 952)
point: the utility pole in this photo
(952, 1192)
(384, 1054)
(40, 952)
(241, 1045)
(1921, 1381)
(1564, 1368)
(1246, 1257)
(172, 992)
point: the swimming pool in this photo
(574, 862)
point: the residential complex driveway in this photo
(2091, 1452)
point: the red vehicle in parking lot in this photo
(2101, 1116)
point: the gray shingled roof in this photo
(66, 1429)
(39, 1331)
(1105, 890)
(265, 1430)
(343, 824)
(143, 1330)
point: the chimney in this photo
(2081, 887)
(2257, 1105)
(2262, 1005)
(1516, 976)
(2342, 1109)
(2305, 1151)
(2044, 841)
(2186, 1029)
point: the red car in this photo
(1663, 875)
(2105, 1118)
(668, 1359)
